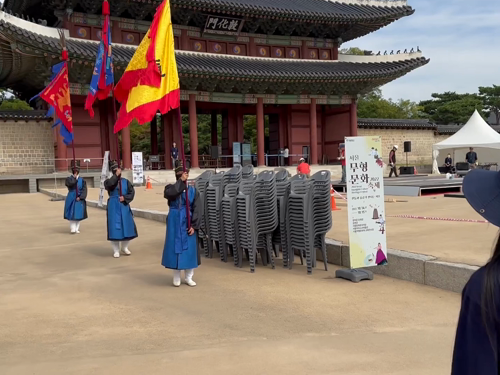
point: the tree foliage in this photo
(452, 108)
(352, 51)
(491, 100)
(374, 105)
(8, 101)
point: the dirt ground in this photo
(460, 242)
(68, 307)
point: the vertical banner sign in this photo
(104, 176)
(137, 168)
(366, 209)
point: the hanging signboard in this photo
(223, 25)
(366, 209)
(137, 168)
(104, 176)
(236, 153)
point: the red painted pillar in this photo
(126, 151)
(154, 140)
(214, 134)
(239, 124)
(193, 131)
(185, 45)
(354, 118)
(335, 55)
(261, 160)
(167, 138)
(313, 123)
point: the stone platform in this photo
(68, 307)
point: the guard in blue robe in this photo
(75, 206)
(181, 244)
(120, 220)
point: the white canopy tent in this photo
(475, 133)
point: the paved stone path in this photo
(68, 307)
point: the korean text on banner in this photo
(137, 168)
(104, 176)
(366, 209)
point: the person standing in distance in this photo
(180, 251)
(471, 158)
(477, 341)
(174, 154)
(75, 206)
(392, 161)
(342, 160)
(120, 220)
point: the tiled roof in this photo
(318, 10)
(452, 129)
(396, 123)
(23, 115)
(308, 10)
(227, 65)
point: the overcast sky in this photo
(461, 37)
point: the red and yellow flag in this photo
(150, 83)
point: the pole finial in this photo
(105, 8)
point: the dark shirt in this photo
(448, 161)
(471, 157)
(474, 353)
(392, 157)
(174, 152)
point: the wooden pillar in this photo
(126, 151)
(261, 160)
(184, 42)
(313, 125)
(354, 118)
(252, 47)
(335, 55)
(193, 131)
(167, 137)
(103, 118)
(213, 128)
(153, 125)
(304, 50)
(239, 124)
(110, 129)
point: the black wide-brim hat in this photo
(481, 188)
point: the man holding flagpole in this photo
(150, 84)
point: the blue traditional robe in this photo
(75, 210)
(121, 225)
(181, 250)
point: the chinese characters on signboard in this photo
(223, 25)
(366, 209)
(137, 168)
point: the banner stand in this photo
(354, 275)
(365, 208)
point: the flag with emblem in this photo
(150, 84)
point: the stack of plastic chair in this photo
(264, 217)
(247, 172)
(321, 213)
(299, 222)
(281, 232)
(229, 188)
(201, 185)
(212, 206)
(282, 187)
(243, 220)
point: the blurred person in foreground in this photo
(477, 344)
(180, 251)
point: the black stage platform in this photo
(415, 185)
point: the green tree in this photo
(374, 105)
(491, 100)
(9, 101)
(452, 108)
(352, 51)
